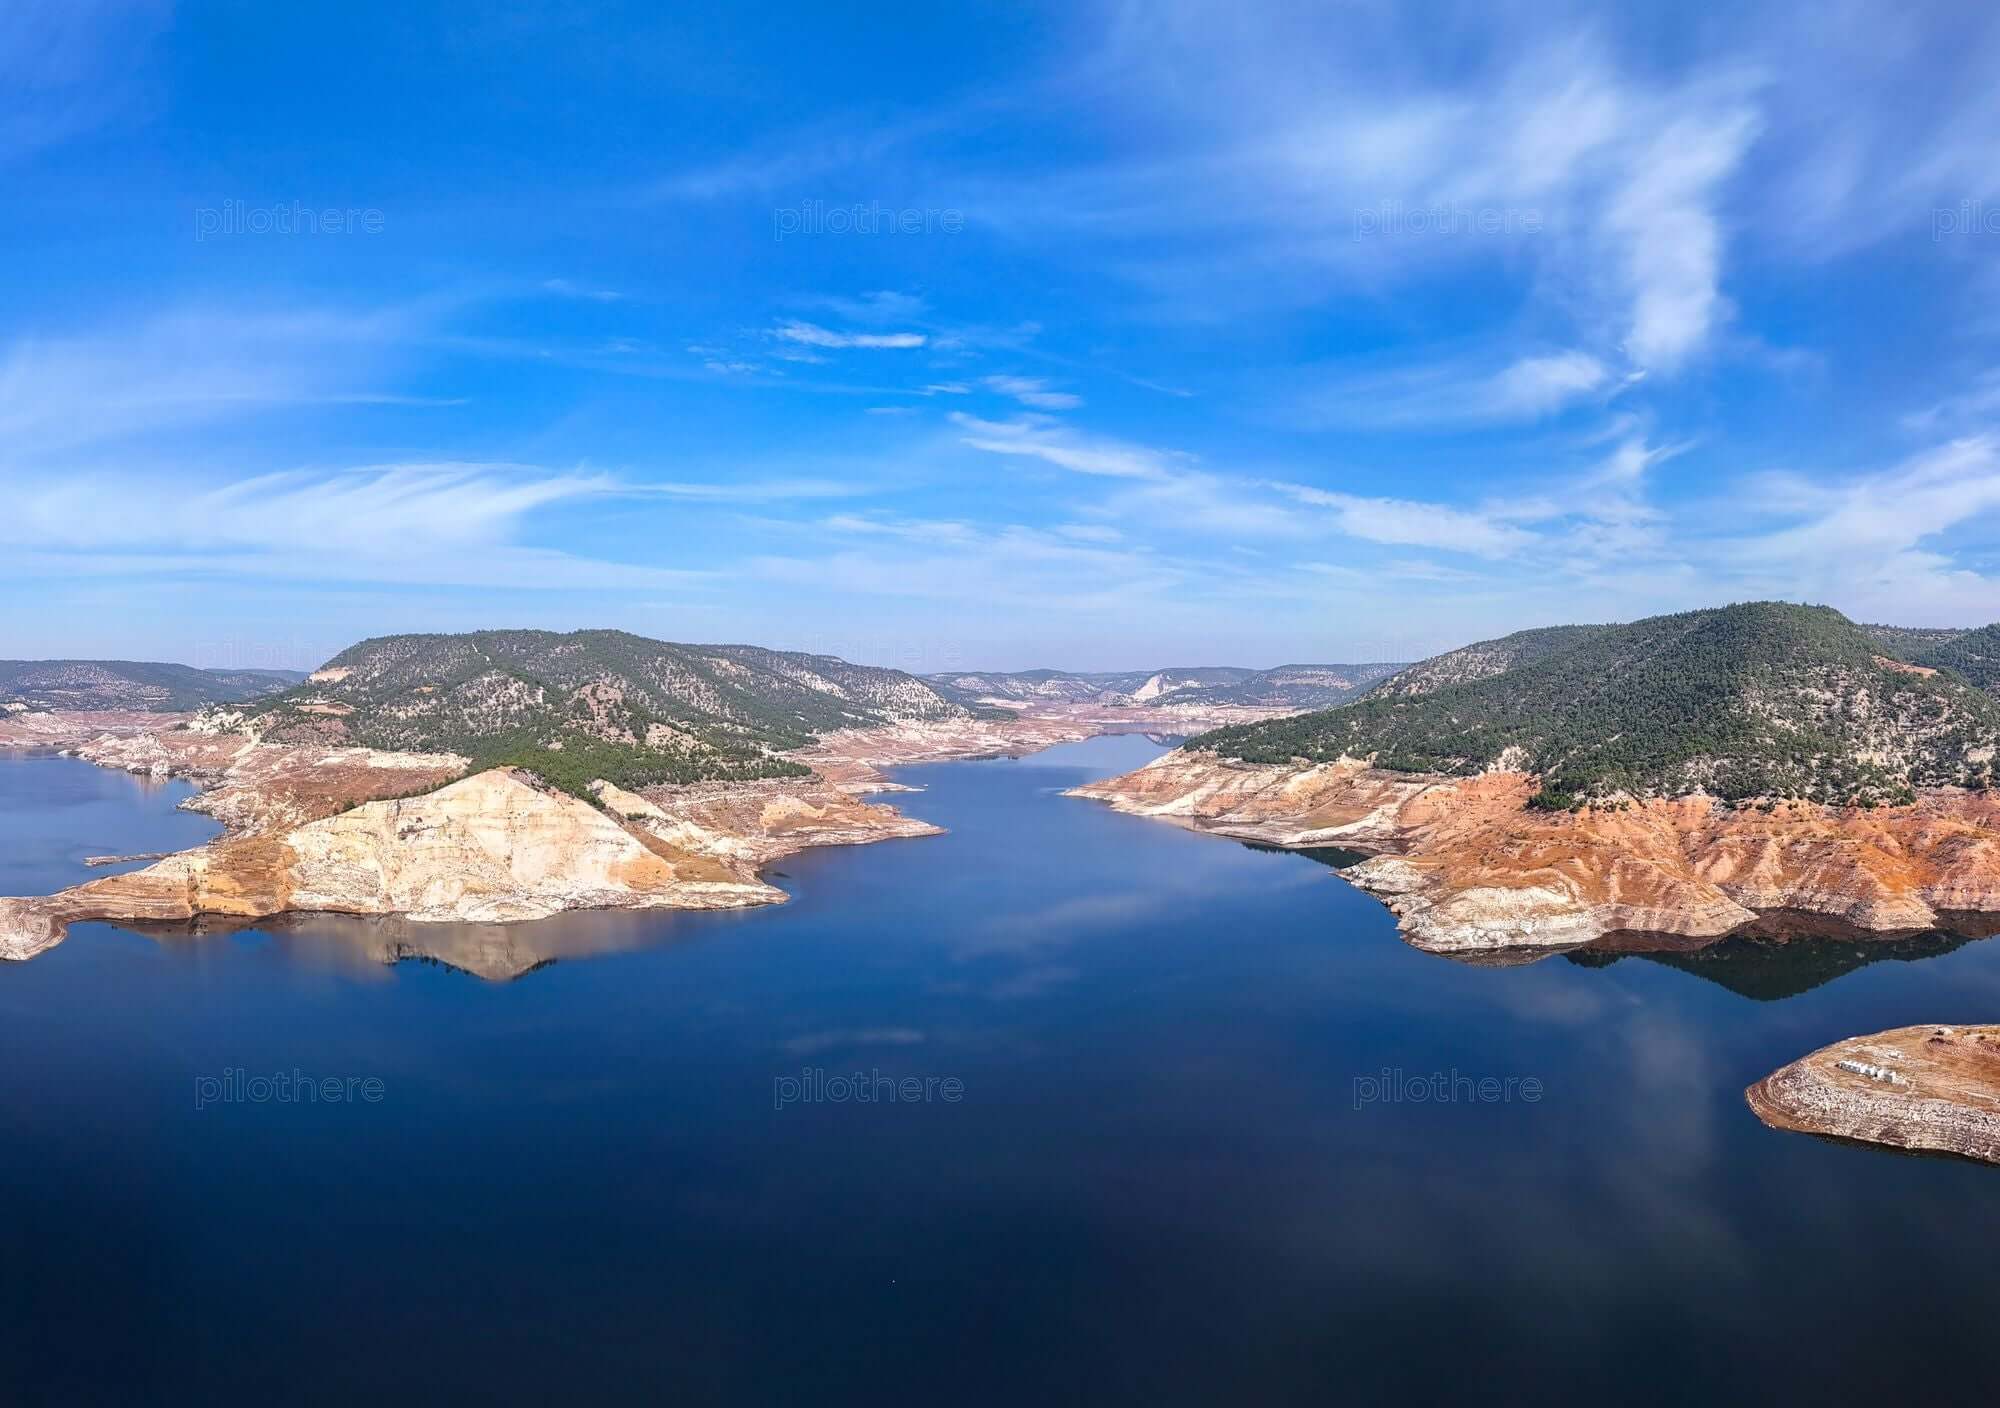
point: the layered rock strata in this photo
(1467, 867)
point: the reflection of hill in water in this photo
(1781, 956)
(495, 952)
(1332, 857)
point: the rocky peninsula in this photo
(1932, 1090)
(359, 831)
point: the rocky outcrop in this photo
(751, 824)
(1926, 1089)
(1467, 867)
(354, 831)
(491, 848)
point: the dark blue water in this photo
(1157, 1183)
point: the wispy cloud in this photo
(1407, 523)
(1977, 405)
(1877, 524)
(1663, 227)
(1453, 394)
(188, 368)
(566, 288)
(1066, 449)
(878, 306)
(1171, 487)
(813, 335)
(743, 491)
(1330, 149)
(438, 523)
(1032, 391)
(917, 530)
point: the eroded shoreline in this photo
(1469, 869)
(411, 838)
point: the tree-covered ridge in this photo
(1973, 655)
(1484, 659)
(593, 704)
(1912, 642)
(1761, 700)
(131, 684)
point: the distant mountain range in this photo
(1759, 700)
(130, 685)
(591, 704)
(1285, 687)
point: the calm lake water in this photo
(1175, 1170)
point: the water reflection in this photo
(353, 945)
(1332, 857)
(1770, 967)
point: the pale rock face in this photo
(489, 848)
(28, 927)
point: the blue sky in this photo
(945, 337)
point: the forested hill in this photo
(1759, 700)
(592, 704)
(145, 685)
(1973, 655)
(1484, 659)
(1912, 642)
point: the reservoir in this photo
(1061, 1106)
